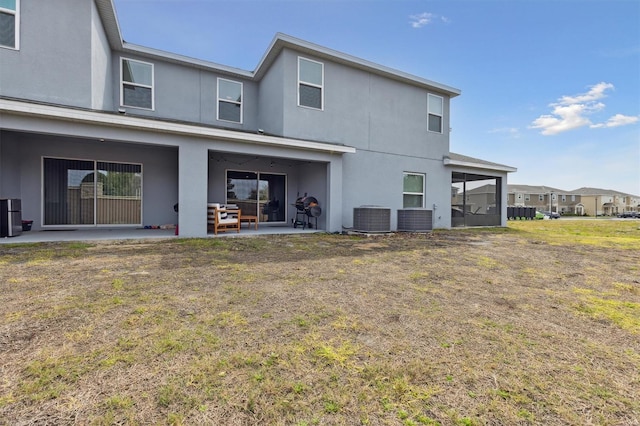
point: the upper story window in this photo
(564, 198)
(573, 198)
(310, 83)
(10, 24)
(527, 197)
(229, 100)
(413, 190)
(541, 197)
(137, 84)
(436, 110)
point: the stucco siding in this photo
(372, 178)
(363, 110)
(270, 99)
(54, 61)
(186, 93)
(101, 81)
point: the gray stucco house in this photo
(95, 131)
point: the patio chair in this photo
(219, 219)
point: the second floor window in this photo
(9, 23)
(541, 197)
(310, 83)
(229, 100)
(435, 108)
(137, 84)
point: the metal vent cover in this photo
(415, 220)
(371, 219)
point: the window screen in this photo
(435, 107)
(310, 83)
(8, 23)
(137, 84)
(413, 190)
(229, 100)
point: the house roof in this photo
(597, 191)
(541, 189)
(533, 189)
(281, 41)
(454, 159)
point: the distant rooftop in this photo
(541, 189)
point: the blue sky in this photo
(549, 87)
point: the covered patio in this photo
(114, 234)
(478, 191)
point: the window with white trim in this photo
(310, 83)
(573, 198)
(564, 198)
(541, 197)
(413, 187)
(136, 88)
(229, 100)
(435, 107)
(10, 24)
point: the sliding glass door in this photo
(87, 192)
(258, 194)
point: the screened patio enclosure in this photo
(475, 200)
(90, 192)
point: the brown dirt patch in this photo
(445, 328)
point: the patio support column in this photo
(502, 194)
(193, 163)
(334, 193)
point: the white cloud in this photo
(419, 21)
(510, 131)
(565, 117)
(426, 18)
(596, 92)
(617, 120)
(570, 112)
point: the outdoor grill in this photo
(306, 208)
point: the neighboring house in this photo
(582, 201)
(607, 202)
(95, 131)
(543, 198)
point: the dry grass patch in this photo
(452, 328)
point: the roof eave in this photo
(282, 41)
(184, 60)
(495, 167)
(107, 12)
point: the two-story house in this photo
(606, 202)
(98, 132)
(581, 201)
